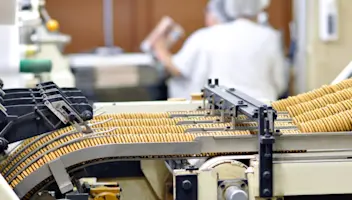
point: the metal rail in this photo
(206, 144)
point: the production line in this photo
(299, 146)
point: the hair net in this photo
(217, 8)
(229, 10)
(243, 8)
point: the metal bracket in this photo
(61, 176)
(235, 102)
(266, 141)
(65, 112)
(195, 122)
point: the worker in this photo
(239, 52)
(215, 13)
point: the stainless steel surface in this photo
(237, 128)
(287, 142)
(235, 193)
(147, 106)
(61, 177)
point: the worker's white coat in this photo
(241, 54)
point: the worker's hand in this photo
(164, 56)
(160, 49)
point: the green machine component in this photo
(35, 66)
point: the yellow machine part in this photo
(105, 193)
(106, 196)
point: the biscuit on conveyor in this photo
(282, 105)
(290, 131)
(341, 121)
(326, 111)
(320, 102)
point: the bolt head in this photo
(86, 115)
(266, 174)
(186, 185)
(266, 192)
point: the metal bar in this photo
(187, 115)
(237, 128)
(108, 23)
(222, 116)
(61, 177)
(265, 140)
(232, 98)
(196, 122)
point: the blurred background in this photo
(95, 45)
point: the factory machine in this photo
(31, 46)
(41, 41)
(222, 145)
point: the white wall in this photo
(323, 61)
(7, 12)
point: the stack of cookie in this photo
(327, 109)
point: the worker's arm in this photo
(165, 57)
(181, 64)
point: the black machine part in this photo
(77, 196)
(186, 187)
(44, 195)
(31, 112)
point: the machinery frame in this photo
(316, 154)
(290, 177)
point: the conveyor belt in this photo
(183, 134)
(151, 146)
(132, 126)
(20, 159)
(118, 129)
(73, 142)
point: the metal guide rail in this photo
(200, 146)
(26, 113)
(230, 101)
